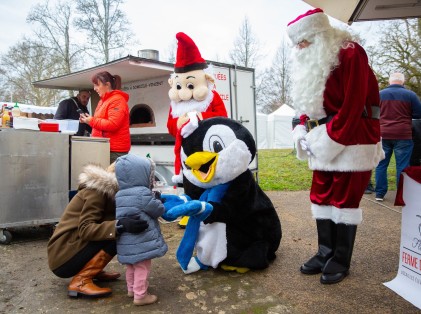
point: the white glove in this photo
(191, 125)
(306, 147)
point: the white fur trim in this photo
(192, 267)
(332, 156)
(298, 134)
(321, 211)
(177, 178)
(307, 26)
(349, 216)
(322, 146)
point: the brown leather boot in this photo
(82, 283)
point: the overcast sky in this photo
(213, 26)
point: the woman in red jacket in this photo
(111, 118)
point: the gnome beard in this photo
(180, 108)
(312, 66)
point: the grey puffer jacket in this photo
(135, 199)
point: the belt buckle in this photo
(312, 123)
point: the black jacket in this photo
(67, 109)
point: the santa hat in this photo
(306, 25)
(188, 55)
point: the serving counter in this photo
(37, 172)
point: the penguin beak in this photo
(203, 165)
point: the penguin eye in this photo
(216, 144)
(190, 86)
(218, 138)
(178, 86)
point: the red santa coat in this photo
(216, 108)
(348, 147)
(349, 142)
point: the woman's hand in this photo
(85, 118)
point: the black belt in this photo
(312, 123)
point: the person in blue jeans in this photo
(398, 106)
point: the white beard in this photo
(180, 108)
(312, 66)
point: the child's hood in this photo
(132, 170)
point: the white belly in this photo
(211, 245)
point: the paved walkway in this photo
(27, 286)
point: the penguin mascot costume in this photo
(232, 223)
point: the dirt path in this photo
(27, 285)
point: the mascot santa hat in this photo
(188, 60)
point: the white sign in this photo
(407, 283)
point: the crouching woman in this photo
(84, 240)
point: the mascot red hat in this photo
(192, 96)
(188, 55)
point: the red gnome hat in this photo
(188, 55)
(188, 59)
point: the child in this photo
(135, 176)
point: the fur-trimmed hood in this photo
(97, 178)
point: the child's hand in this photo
(157, 195)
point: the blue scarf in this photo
(187, 244)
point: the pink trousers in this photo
(137, 278)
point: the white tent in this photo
(279, 127)
(262, 130)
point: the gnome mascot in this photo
(192, 94)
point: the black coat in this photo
(67, 109)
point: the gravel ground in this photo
(27, 285)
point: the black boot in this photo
(326, 239)
(337, 267)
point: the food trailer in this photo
(38, 170)
(146, 82)
(42, 167)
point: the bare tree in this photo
(246, 51)
(20, 69)
(55, 33)
(275, 84)
(171, 51)
(398, 49)
(106, 27)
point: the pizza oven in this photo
(142, 116)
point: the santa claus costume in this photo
(189, 59)
(336, 95)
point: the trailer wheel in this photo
(5, 237)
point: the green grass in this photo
(280, 170)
